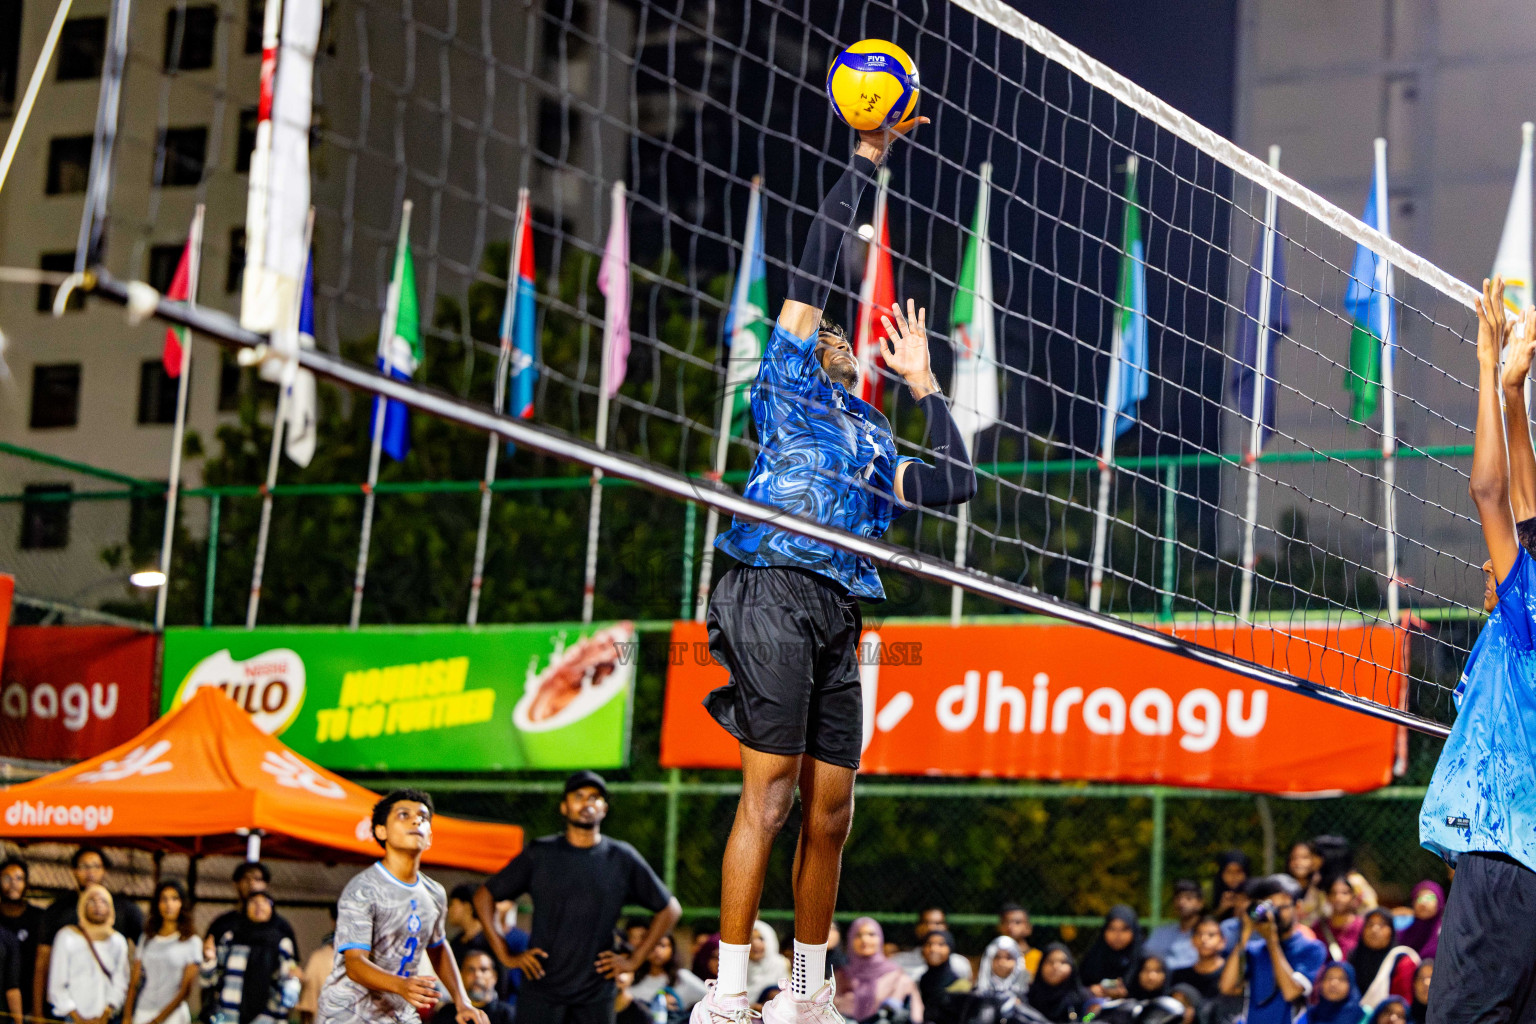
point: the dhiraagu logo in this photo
(269, 687)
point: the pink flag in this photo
(180, 290)
(613, 282)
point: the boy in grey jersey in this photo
(388, 916)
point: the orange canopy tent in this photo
(204, 778)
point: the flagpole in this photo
(279, 430)
(983, 265)
(503, 361)
(1389, 395)
(386, 335)
(1107, 450)
(179, 431)
(1260, 396)
(727, 406)
(595, 513)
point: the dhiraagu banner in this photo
(422, 699)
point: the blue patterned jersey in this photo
(1482, 798)
(826, 455)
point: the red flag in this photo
(179, 290)
(876, 296)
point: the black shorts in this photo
(1485, 967)
(534, 1008)
(789, 639)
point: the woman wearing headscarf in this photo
(89, 969)
(1057, 991)
(1002, 969)
(1232, 871)
(871, 979)
(1393, 1010)
(766, 966)
(1338, 997)
(1339, 928)
(1382, 967)
(1150, 979)
(940, 985)
(1418, 1010)
(1423, 933)
(260, 993)
(1111, 960)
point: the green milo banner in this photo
(425, 698)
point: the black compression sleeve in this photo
(811, 281)
(953, 480)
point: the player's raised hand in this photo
(420, 992)
(1492, 325)
(905, 347)
(1517, 367)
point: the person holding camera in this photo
(1274, 964)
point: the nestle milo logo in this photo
(269, 687)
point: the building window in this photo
(69, 164)
(245, 140)
(44, 522)
(255, 17)
(229, 382)
(558, 126)
(189, 36)
(157, 393)
(10, 52)
(82, 46)
(55, 395)
(162, 265)
(182, 152)
(58, 263)
(234, 270)
(146, 522)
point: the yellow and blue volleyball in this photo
(873, 85)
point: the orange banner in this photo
(1048, 701)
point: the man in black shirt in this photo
(580, 882)
(479, 971)
(89, 865)
(22, 921)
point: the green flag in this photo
(746, 324)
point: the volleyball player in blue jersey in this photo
(1480, 810)
(785, 619)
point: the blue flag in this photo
(1247, 370)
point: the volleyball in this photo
(873, 84)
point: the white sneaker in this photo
(785, 1008)
(717, 1009)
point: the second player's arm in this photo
(530, 961)
(418, 991)
(1517, 425)
(1489, 484)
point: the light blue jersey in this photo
(826, 455)
(1482, 798)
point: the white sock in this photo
(733, 968)
(810, 970)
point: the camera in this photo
(1264, 910)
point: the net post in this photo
(669, 851)
(1260, 395)
(690, 523)
(1170, 536)
(1389, 397)
(214, 501)
(962, 530)
(1159, 849)
(386, 336)
(179, 431)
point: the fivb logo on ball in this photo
(269, 686)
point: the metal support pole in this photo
(93, 221)
(690, 523)
(1159, 844)
(1170, 537)
(213, 560)
(674, 787)
(179, 431)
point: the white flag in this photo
(1514, 258)
(278, 207)
(975, 405)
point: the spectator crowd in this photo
(1311, 944)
